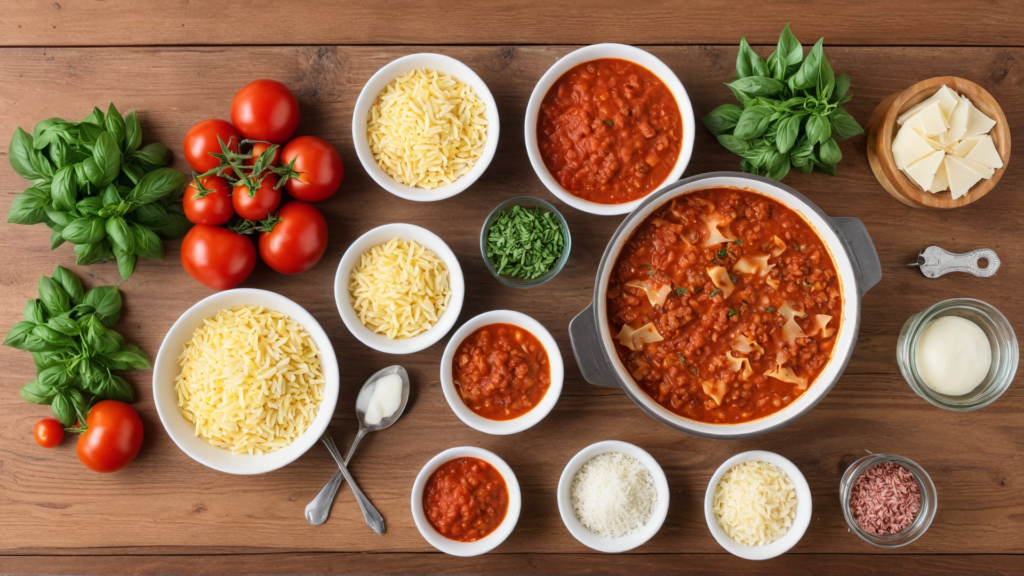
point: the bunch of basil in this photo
(96, 188)
(67, 330)
(791, 112)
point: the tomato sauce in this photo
(501, 371)
(465, 499)
(740, 300)
(609, 131)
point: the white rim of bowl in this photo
(596, 52)
(487, 543)
(622, 543)
(379, 81)
(804, 508)
(531, 418)
(182, 432)
(376, 237)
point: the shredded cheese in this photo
(613, 495)
(755, 503)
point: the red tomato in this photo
(49, 432)
(259, 148)
(113, 437)
(259, 204)
(217, 257)
(297, 242)
(265, 110)
(202, 139)
(319, 167)
(213, 208)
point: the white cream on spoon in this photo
(386, 398)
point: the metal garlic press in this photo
(935, 262)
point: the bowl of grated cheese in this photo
(425, 127)
(245, 381)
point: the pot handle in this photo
(862, 251)
(586, 346)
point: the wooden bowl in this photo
(882, 126)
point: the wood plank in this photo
(166, 504)
(227, 22)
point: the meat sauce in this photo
(724, 305)
(465, 499)
(501, 371)
(609, 131)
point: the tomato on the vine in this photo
(212, 207)
(112, 438)
(48, 432)
(201, 139)
(318, 165)
(258, 148)
(265, 110)
(297, 240)
(217, 257)
(256, 204)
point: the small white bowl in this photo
(596, 52)
(487, 543)
(542, 409)
(804, 508)
(623, 543)
(385, 76)
(166, 369)
(376, 237)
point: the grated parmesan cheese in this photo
(250, 380)
(755, 503)
(426, 129)
(613, 495)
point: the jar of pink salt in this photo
(887, 500)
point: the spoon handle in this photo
(319, 508)
(373, 518)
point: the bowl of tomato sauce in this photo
(502, 372)
(606, 126)
(466, 501)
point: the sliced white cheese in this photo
(957, 122)
(964, 147)
(961, 177)
(923, 171)
(985, 153)
(977, 123)
(928, 122)
(945, 97)
(934, 142)
(908, 147)
(983, 171)
(907, 174)
(941, 181)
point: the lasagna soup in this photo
(724, 305)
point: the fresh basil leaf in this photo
(93, 253)
(101, 339)
(51, 337)
(33, 312)
(743, 98)
(92, 170)
(63, 409)
(155, 185)
(56, 239)
(86, 230)
(722, 119)
(842, 85)
(64, 325)
(18, 335)
(131, 356)
(779, 166)
(54, 377)
(105, 302)
(167, 224)
(21, 154)
(110, 195)
(132, 132)
(45, 125)
(44, 360)
(787, 133)
(752, 122)
(126, 262)
(153, 155)
(53, 297)
(115, 124)
(804, 164)
(120, 235)
(89, 206)
(107, 155)
(818, 129)
(133, 172)
(91, 375)
(147, 243)
(827, 168)
(29, 207)
(844, 99)
(829, 152)
(843, 124)
(756, 86)
(788, 55)
(64, 190)
(117, 388)
(37, 393)
(807, 76)
(94, 117)
(733, 144)
(88, 133)
(59, 153)
(748, 63)
(747, 167)
(826, 79)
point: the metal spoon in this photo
(318, 510)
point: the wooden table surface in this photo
(180, 62)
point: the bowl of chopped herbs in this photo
(525, 242)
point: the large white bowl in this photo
(385, 76)
(487, 543)
(542, 409)
(166, 369)
(376, 237)
(623, 543)
(595, 52)
(804, 508)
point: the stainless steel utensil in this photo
(935, 262)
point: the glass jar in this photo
(1000, 336)
(924, 517)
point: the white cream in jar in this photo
(953, 355)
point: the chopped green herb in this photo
(796, 246)
(681, 359)
(715, 292)
(739, 242)
(646, 265)
(609, 122)
(731, 314)
(723, 251)
(681, 291)
(770, 309)
(734, 279)
(698, 289)
(525, 243)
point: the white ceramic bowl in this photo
(623, 543)
(804, 508)
(487, 543)
(385, 76)
(595, 52)
(166, 368)
(376, 237)
(501, 427)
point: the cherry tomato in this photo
(265, 110)
(258, 149)
(297, 242)
(217, 257)
(49, 432)
(202, 139)
(319, 167)
(258, 205)
(214, 208)
(112, 438)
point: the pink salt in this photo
(885, 499)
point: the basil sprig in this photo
(67, 330)
(790, 113)
(95, 187)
